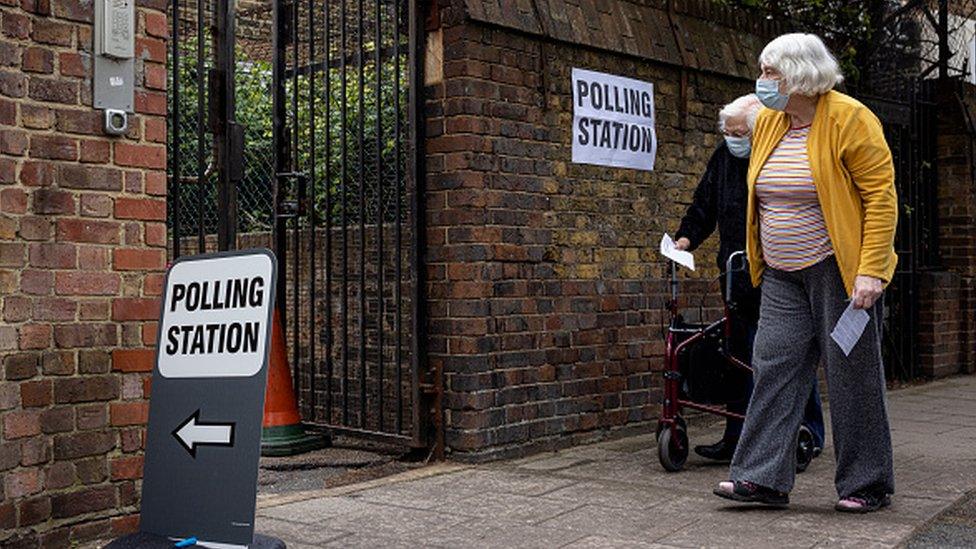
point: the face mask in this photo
(768, 93)
(739, 146)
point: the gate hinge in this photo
(288, 209)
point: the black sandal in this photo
(748, 492)
(863, 502)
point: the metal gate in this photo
(348, 162)
(295, 125)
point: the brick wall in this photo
(82, 236)
(545, 286)
(947, 304)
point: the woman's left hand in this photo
(867, 290)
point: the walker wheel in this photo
(804, 448)
(672, 451)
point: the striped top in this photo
(791, 223)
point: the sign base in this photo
(142, 540)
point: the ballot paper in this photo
(681, 257)
(850, 327)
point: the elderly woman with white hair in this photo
(820, 233)
(720, 201)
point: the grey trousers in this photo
(798, 312)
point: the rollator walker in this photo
(702, 373)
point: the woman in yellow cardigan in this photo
(820, 229)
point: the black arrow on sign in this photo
(193, 432)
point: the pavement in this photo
(615, 494)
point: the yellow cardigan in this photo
(855, 180)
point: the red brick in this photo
(87, 230)
(13, 84)
(132, 440)
(53, 90)
(58, 363)
(59, 475)
(8, 171)
(133, 182)
(74, 64)
(154, 77)
(55, 309)
(13, 142)
(156, 25)
(49, 201)
(93, 310)
(10, 54)
(48, 31)
(78, 445)
(20, 366)
(155, 129)
(8, 515)
(88, 500)
(36, 282)
(8, 228)
(94, 258)
(38, 60)
(23, 482)
(71, 336)
(17, 308)
(12, 254)
(140, 156)
(138, 259)
(156, 183)
(34, 511)
(86, 122)
(129, 413)
(92, 470)
(150, 331)
(37, 174)
(58, 420)
(133, 360)
(86, 389)
(151, 49)
(16, 25)
(51, 255)
(155, 234)
(135, 308)
(14, 201)
(89, 177)
(91, 416)
(35, 228)
(143, 209)
(95, 152)
(96, 205)
(74, 10)
(53, 147)
(150, 103)
(20, 424)
(122, 526)
(8, 112)
(87, 283)
(36, 117)
(35, 393)
(40, 7)
(35, 336)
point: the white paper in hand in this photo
(680, 257)
(850, 327)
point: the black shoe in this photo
(863, 502)
(747, 492)
(720, 451)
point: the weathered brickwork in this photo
(545, 285)
(82, 237)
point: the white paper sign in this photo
(680, 257)
(613, 121)
(850, 327)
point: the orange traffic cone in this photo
(282, 433)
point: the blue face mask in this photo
(739, 146)
(768, 93)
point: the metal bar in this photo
(312, 210)
(280, 148)
(202, 186)
(710, 409)
(224, 63)
(943, 31)
(345, 231)
(380, 217)
(362, 229)
(328, 216)
(296, 225)
(353, 59)
(398, 237)
(174, 143)
(419, 332)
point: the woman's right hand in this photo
(682, 244)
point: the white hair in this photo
(748, 105)
(807, 66)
